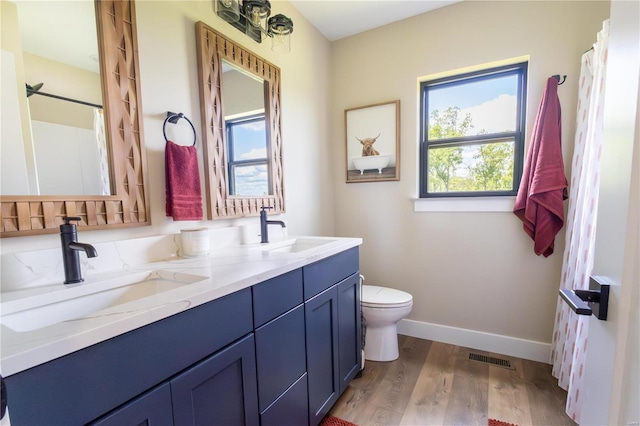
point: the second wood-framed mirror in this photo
(229, 194)
(128, 204)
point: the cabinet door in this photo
(349, 330)
(321, 323)
(151, 409)
(221, 390)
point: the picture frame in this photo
(372, 142)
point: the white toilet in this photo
(382, 309)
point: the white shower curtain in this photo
(570, 331)
(103, 154)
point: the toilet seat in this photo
(386, 305)
(383, 297)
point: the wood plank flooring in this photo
(435, 383)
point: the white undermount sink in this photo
(55, 304)
(296, 245)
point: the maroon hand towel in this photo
(182, 176)
(544, 184)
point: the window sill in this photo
(466, 204)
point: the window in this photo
(472, 133)
(247, 148)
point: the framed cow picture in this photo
(372, 135)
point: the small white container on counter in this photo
(195, 242)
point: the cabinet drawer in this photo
(323, 274)
(276, 296)
(86, 384)
(280, 355)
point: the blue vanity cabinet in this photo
(332, 324)
(279, 352)
(85, 385)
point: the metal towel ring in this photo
(173, 118)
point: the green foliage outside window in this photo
(492, 168)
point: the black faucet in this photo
(70, 249)
(264, 232)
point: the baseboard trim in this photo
(512, 346)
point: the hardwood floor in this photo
(435, 383)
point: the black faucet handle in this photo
(67, 227)
(263, 208)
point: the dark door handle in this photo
(593, 301)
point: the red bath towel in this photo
(182, 176)
(543, 188)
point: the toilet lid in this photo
(382, 296)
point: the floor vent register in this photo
(505, 363)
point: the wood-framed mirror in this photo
(225, 199)
(128, 204)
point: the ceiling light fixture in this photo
(252, 18)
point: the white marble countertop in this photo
(226, 270)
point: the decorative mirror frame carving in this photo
(212, 48)
(120, 76)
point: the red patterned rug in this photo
(494, 422)
(330, 420)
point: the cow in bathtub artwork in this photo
(367, 146)
(372, 137)
(371, 158)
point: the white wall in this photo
(62, 80)
(67, 158)
(241, 93)
(473, 271)
(168, 67)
